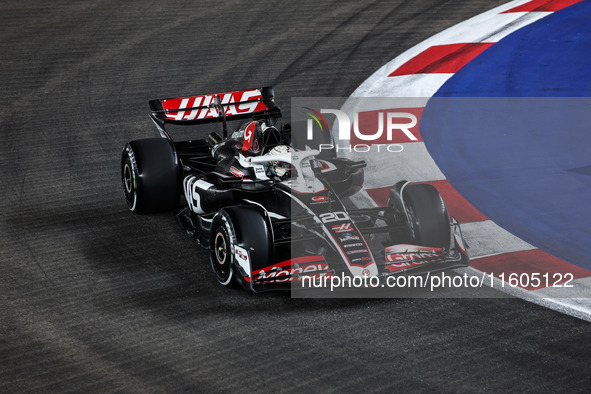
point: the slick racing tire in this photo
(222, 243)
(242, 226)
(150, 175)
(427, 214)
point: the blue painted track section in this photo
(512, 133)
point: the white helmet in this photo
(280, 169)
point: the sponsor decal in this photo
(200, 107)
(342, 228)
(349, 237)
(277, 274)
(248, 133)
(320, 198)
(357, 251)
(400, 257)
(236, 172)
(353, 245)
(413, 256)
(365, 272)
(241, 256)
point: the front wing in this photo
(398, 259)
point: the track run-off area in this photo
(504, 141)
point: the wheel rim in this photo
(221, 259)
(129, 187)
(127, 178)
(220, 248)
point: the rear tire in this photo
(427, 215)
(151, 175)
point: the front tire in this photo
(427, 215)
(249, 228)
(222, 242)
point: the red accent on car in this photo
(319, 198)
(198, 107)
(236, 172)
(295, 260)
(343, 228)
(248, 136)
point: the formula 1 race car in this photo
(270, 213)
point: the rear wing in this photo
(218, 107)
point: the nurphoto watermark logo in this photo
(361, 131)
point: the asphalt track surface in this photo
(96, 299)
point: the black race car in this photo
(270, 213)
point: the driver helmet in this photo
(281, 169)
